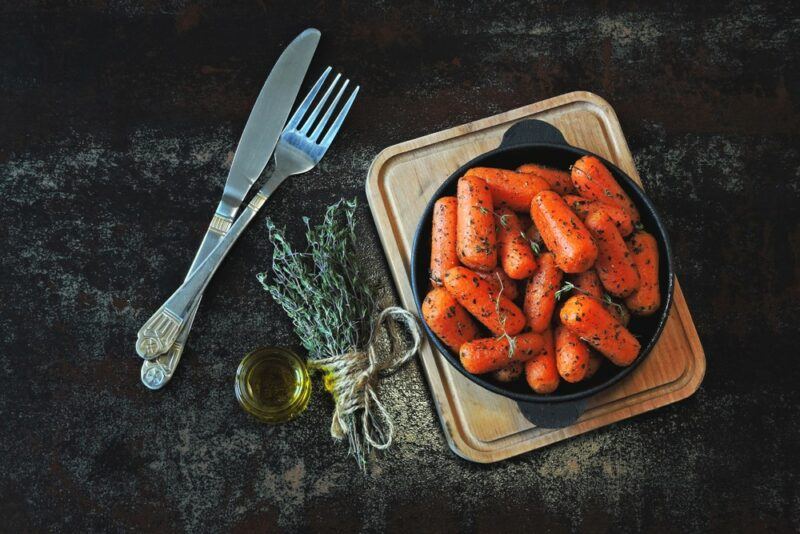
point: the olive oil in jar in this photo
(273, 384)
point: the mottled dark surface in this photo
(117, 124)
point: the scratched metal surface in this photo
(118, 121)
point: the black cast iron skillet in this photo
(534, 141)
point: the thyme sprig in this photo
(324, 291)
(512, 341)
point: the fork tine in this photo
(324, 120)
(321, 104)
(326, 141)
(298, 114)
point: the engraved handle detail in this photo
(158, 334)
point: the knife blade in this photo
(258, 140)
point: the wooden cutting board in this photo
(479, 425)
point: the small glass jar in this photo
(272, 384)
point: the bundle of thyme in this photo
(332, 304)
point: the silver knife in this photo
(260, 135)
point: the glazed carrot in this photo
(498, 276)
(563, 232)
(509, 373)
(448, 319)
(572, 355)
(614, 264)
(583, 207)
(595, 360)
(647, 299)
(588, 283)
(533, 235)
(540, 295)
(541, 372)
(443, 238)
(510, 188)
(594, 181)
(560, 181)
(497, 313)
(514, 250)
(619, 311)
(490, 354)
(590, 321)
(476, 241)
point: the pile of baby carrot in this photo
(575, 234)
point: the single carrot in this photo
(541, 371)
(509, 373)
(647, 299)
(595, 361)
(563, 232)
(619, 311)
(498, 278)
(590, 321)
(540, 295)
(496, 312)
(514, 250)
(572, 355)
(490, 354)
(476, 240)
(533, 235)
(443, 238)
(560, 181)
(614, 264)
(588, 283)
(448, 319)
(594, 181)
(583, 207)
(510, 188)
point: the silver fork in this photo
(298, 151)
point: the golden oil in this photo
(272, 384)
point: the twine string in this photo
(355, 376)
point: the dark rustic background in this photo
(117, 124)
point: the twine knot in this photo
(353, 382)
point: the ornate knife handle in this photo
(161, 330)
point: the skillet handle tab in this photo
(552, 414)
(532, 131)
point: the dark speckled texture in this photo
(118, 119)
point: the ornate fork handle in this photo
(161, 330)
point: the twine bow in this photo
(354, 377)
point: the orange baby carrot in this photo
(443, 238)
(560, 181)
(583, 207)
(541, 372)
(647, 299)
(510, 188)
(540, 295)
(514, 250)
(595, 360)
(509, 373)
(448, 319)
(588, 283)
(619, 311)
(496, 312)
(490, 354)
(594, 181)
(563, 232)
(614, 264)
(590, 321)
(572, 355)
(475, 235)
(498, 278)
